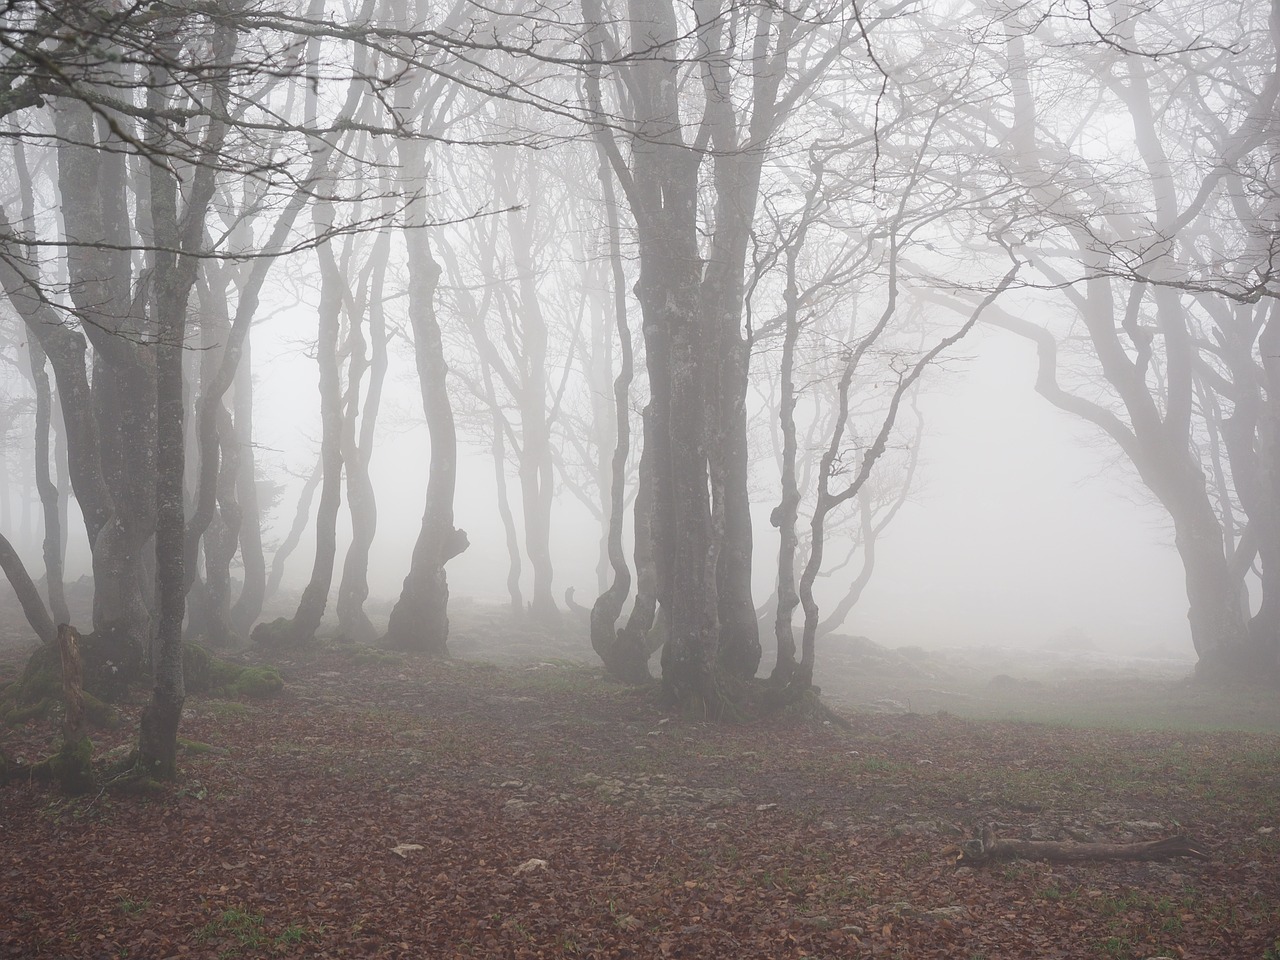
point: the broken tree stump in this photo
(71, 767)
(991, 848)
(72, 682)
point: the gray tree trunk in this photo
(420, 619)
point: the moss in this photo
(197, 668)
(361, 656)
(139, 786)
(227, 708)
(32, 696)
(70, 768)
(274, 633)
(17, 713)
(256, 682)
(205, 673)
(39, 689)
(99, 714)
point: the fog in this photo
(963, 302)
(1023, 529)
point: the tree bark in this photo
(301, 516)
(114, 473)
(420, 619)
(27, 593)
(992, 848)
(535, 464)
(623, 658)
(357, 442)
(221, 536)
(315, 596)
(248, 605)
(174, 276)
(54, 547)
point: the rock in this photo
(954, 912)
(816, 923)
(910, 911)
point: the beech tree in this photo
(691, 294)
(1163, 253)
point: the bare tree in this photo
(1151, 257)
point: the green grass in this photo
(241, 932)
(132, 907)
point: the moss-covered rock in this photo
(40, 688)
(34, 694)
(16, 713)
(71, 768)
(274, 633)
(255, 683)
(38, 691)
(99, 714)
(207, 674)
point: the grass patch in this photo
(239, 931)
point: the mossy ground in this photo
(37, 693)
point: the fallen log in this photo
(991, 848)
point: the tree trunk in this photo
(301, 515)
(785, 514)
(117, 479)
(353, 589)
(315, 596)
(248, 605)
(497, 450)
(50, 502)
(639, 631)
(536, 468)
(222, 533)
(624, 658)
(420, 619)
(157, 739)
(173, 279)
(27, 593)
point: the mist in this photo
(751, 355)
(647, 478)
(1021, 530)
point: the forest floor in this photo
(511, 802)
